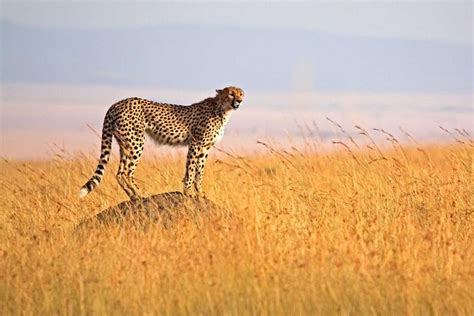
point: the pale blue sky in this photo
(325, 46)
(448, 21)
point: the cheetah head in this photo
(230, 98)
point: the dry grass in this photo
(369, 231)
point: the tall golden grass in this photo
(368, 229)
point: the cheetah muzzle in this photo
(198, 126)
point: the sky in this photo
(448, 21)
(383, 64)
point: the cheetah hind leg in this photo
(132, 165)
(129, 158)
(121, 176)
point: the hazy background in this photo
(375, 64)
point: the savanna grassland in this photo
(365, 229)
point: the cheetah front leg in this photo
(196, 159)
(200, 164)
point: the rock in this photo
(165, 207)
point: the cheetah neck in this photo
(213, 105)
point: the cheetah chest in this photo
(219, 135)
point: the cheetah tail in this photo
(105, 149)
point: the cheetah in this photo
(198, 126)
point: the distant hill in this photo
(190, 57)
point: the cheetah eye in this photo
(231, 95)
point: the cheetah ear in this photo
(218, 91)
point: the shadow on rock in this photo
(164, 207)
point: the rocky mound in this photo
(164, 207)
